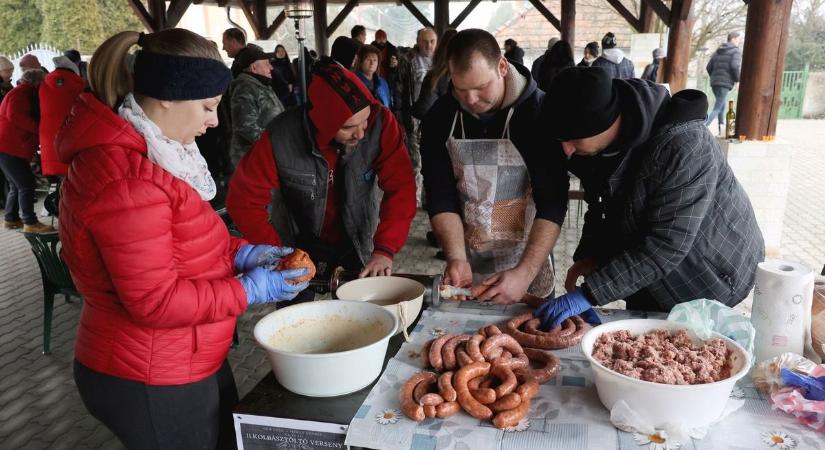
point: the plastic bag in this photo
(767, 377)
(705, 316)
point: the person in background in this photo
(651, 71)
(513, 52)
(536, 67)
(310, 181)
(19, 120)
(559, 58)
(485, 135)
(724, 68)
(389, 54)
(30, 62)
(6, 71)
(345, 51)
(591, 52)
(667, 221)
(58, 92)
(82, 66)
(359, 34)
(613, 60)
(234, 42)
(155, 265)
(369, 58)
(282, 68)
(413, 68)
(253, 102)
(437, 81)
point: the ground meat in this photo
(663, 357)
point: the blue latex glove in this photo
(249, 257)
(814, 387)
(265, 286)
(553, 312)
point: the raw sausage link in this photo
(485, 396)
(462, 358)
(491, 330)
(448, 351)
(447, 409)
(511, 417)
(409, 406)
(528, 388)
(503, 341)
(425, 354)
(475, 383)
(421, 390)
(431, 399)
(445, 387)
(509, 401)
(550, 340)
(507, 377)
(474, 347)
(430, 410)
(435, 352)
(465, 398)
(550, 365)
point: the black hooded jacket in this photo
(665, 213)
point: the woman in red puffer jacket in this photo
(155, 264)
(19, 119)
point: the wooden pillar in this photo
(647, 16)
(568, 22)
(319, 20)
(678, 46)
(763, 63)
(157, 9)
(442, 16)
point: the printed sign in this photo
(266, 433)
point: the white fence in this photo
(43, 52)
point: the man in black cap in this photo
(344, 50)
(666, 221)
(253, 103)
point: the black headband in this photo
(171, 77)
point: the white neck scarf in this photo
(184, 161)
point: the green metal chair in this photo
(55, 275)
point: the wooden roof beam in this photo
(336, 22)
(177, 8)
(661, 10)
(626, 14)
(417, 13)
(256, 16)
(464, 13)
(546, 13)
(142, 14)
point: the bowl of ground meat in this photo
(663, 371)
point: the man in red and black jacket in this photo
(310, 180)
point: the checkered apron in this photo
(498, 207)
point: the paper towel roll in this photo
(781, 308)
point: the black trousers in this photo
(181, 417)
(19, 175)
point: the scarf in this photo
(183, 161)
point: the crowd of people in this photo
(147, 142)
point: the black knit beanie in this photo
(344, 50)
(172, 77)
(580, 103)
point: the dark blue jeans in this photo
(721, 94)
(21, 189)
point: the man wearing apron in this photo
(496, 185)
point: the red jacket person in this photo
(310, 180)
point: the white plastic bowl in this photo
(661, 404)
(326, 348)
(401, 296)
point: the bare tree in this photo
(807, 32)
(714, 20)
